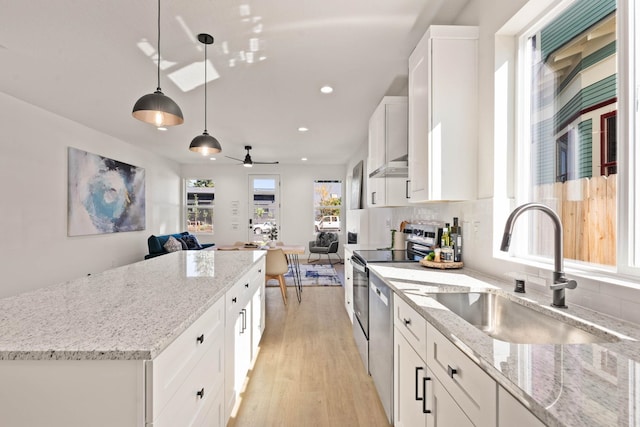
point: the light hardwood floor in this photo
(308, 371)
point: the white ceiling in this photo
(81, 60)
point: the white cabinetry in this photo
(471, 388)
(443, 121)
(186, 380)
(387, 142)
(409, 367)
(513, 413)
(348, 283)
(420, 399)
(244, 325)
(408, 383)
(442, 409)
(435, 384)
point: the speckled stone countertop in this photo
(563, 385)
(130, 312)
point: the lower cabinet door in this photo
(511, 412)
(408, 382)
(201, 389)
(442, 409)
(257, 319)
(214, 414)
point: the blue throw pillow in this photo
(192, 242)
(183, 243)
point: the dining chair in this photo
(276, 268)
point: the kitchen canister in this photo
(398, 240)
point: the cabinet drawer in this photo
(170, 369)
(443, 409)
(472, 389)
(193, 400)
(240, 293)
(411, 324)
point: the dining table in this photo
(292, 253)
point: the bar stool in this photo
(276, 268)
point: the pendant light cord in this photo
(159, 45)
(205, 88)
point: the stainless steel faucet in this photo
(560, 282)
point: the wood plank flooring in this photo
(308, 371)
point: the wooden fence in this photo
(587, 208)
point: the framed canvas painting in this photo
(104, 195)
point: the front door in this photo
(264, 207)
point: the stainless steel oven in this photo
(361, 279)
(361, 307)
(373, 328)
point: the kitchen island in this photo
(104, 349)
(595, 384)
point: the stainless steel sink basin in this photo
(510, 321)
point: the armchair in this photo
(325, 243)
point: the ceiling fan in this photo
(248, 162)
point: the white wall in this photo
(296, 198)
(36, 250)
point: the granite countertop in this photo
(563, 385)
(130, 312)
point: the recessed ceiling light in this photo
(303, 129)
(304, 159)
(212, 158)
(326, 89)
(162, 128)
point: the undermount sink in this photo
(507, 320)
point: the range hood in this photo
(398, 168)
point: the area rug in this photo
(313, 275)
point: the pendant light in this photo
(157, 108)
(205, 144)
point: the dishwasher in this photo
(381, 341)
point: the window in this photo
(264, 207)
(327, 205)
(608, 144)
(200, 205)
(563, 164)
(570, 89)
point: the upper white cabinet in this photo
(387, 143)
(443, 119)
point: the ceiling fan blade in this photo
(233, 158)
(248, 160)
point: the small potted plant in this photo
(273, 236)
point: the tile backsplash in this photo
(613, 295)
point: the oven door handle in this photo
(359, 267)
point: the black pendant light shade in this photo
(157, 108)
(205, 144)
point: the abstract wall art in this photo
(356, 187)
(104, 195)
